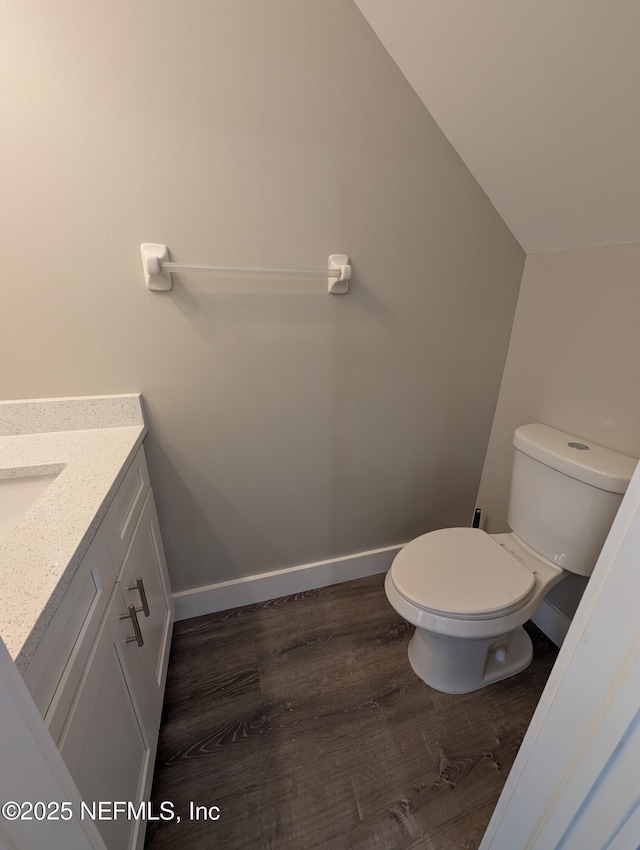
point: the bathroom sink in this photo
(17, 495)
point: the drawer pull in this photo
(137, 633)
(139, 586)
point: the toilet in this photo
(468, 593)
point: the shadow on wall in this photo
(213, 548)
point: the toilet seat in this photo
(461, 573)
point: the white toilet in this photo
(468, 593)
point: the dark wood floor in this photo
(301, 719)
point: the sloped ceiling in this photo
(540, 98)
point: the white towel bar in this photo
(158, 269)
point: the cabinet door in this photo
(56, 668)
(143, 579)
(109, 739)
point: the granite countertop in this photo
(90, 443)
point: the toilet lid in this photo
(462, 573)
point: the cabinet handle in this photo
(139, 586)
(137, 633)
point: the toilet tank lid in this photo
(581, 459)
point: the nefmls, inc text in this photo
(145, 811)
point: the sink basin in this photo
(18, 494)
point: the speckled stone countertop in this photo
(90, 442)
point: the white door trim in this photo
(573, 776)
(32, 769)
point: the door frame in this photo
(574, 782)
(31, 770)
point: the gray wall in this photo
(287, 425)
(572, 364)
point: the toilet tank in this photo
(565, 492)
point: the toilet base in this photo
(459, 665)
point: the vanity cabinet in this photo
(99, 672)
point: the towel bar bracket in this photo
(155, 278)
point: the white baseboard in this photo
(259, 588)
(552, 622)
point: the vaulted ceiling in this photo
(540, 98)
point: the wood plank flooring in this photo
(301, 719)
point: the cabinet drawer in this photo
(124, 511)
(71, 632)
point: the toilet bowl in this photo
(468, 593)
